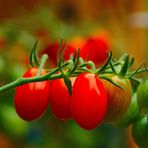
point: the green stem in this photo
(142, 70)
(49, 76)
(43, 61)
(92, 65)
(125, 65)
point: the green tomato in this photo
(11, 123)
(140, 131)
(131, 115)
(142, 94)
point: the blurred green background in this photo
(25, 21)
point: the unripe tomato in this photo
(31, 100)
(89, 101)
(131, 115)
(142, 93)
(118, 99)
(140, 131)
(52, 51)
(60, 99)
(95, 49)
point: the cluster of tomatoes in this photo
(96, 98)
(93, 48)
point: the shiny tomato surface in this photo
(60, 99)
(89, 101)
(31, 100)
(118, 99)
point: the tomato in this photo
(118, 99)
(140, 131)
(95, 49)
(31, 100)
(142, 93)
(60, 99)
(77, 42)
(52, 51)
(131, 115)
(89, 101)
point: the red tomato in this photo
(60, 99)
(31, 100)
(95, 49)
(52, 51)
(118, 99)
(89, 101)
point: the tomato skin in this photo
(31, 100)
(60, 99)
(118, 99)
(131, 115)
(140, 131)
(95, 49)
(142, 93)
(89, 101)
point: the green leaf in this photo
(131, 61)
(111, 81)
(112, 67)
(103, 68)
(76, 63)
(125, 65)
(59, 50)
(33, 59)
(68, 84)
(135, 72)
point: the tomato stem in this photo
(49, 76)
(112, 67)
(125, 65)
(59, 50)
(135, 72)
(111, 81)
(43, 61)
(103, 68)
(33, 59)
(76, 62)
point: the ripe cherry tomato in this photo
(52, 51)
(60, 99)
(89, 101)
(140, 131)
(142, 93)
(31, 100)
(95, 49)
(118, 99)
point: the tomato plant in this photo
(131, 114)
(140, 131)
(52, 51)
(95, 49)
(31, 100)
(143, 95)
(60, 99)
(89, 101)
(118, 99)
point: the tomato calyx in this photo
(33, 58)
